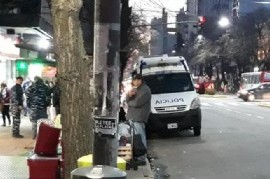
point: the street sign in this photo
(105, 125)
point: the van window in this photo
(169, 83)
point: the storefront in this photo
(29, 68)
(8, 54)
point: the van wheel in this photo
(197, 131)
(251, 97)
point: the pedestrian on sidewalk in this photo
(139, 104)
(26, 84)
(17, 106)
(5, 93)
(38, 99)
(56, 97)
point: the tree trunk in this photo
(75, 76)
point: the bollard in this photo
(98, 172)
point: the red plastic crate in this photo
(47, 140)
(43, 167)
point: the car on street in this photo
(261, 91)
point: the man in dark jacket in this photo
(139, 106)
(16, 107)
(38, 99)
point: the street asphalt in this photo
(234, 144)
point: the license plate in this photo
(172, 126)
(170, 108)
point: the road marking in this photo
(228, 109)
(237, 112)
(247, 104)
(249, 114)
(205, 104)
(204, 108)
(219, 104)
(234, 104)
(260, 117)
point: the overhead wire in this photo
(154, 4)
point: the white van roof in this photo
(162, 63)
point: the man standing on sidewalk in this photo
(139, 106)
(38, 99)
(17, 106)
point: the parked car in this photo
(199, 84)
(261, 91)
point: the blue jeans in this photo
(139, 128)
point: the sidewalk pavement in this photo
(14, 153)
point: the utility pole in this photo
(106, 93)
(106, 80)
(165, 30)
(235, 10)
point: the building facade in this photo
(247, 6)
(22, 24)
(162, 40)
(214, 7)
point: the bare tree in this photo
(140, 34)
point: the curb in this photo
(143, 172)
(214, 96)
(147, 171)
(265, 105)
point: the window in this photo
(169, 83)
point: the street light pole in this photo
(106, 80)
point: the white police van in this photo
(175, 103)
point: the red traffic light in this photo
(201, 20)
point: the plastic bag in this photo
(123, 130)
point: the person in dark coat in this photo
(17, 106)
(38, 99)
(5, 93)
(139, 107)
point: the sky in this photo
(154, 7)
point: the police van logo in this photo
(167, 101)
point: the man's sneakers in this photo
(17, 136)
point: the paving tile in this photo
(13, 167)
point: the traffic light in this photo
(201, 22)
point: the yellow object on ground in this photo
(87, 161)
